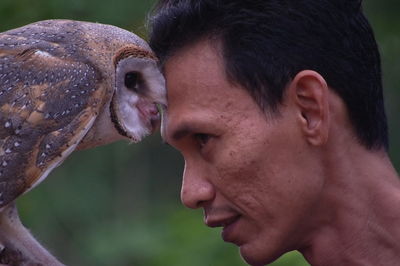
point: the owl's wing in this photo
(48, 103)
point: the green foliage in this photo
(384, 18)
(119, 204)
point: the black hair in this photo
(265, 43)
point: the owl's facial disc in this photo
(139, 88)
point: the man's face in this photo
(248, 171)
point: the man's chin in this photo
(255, 257)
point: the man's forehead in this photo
(199, 53)
(197, 88)
(196, 70)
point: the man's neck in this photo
(357, 221)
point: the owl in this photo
(66, 85)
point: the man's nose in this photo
(196, 190)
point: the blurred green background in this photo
(119, 204)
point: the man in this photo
(277, 108)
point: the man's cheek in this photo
(237, 173)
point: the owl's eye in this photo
(132, 81)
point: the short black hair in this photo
(265, 43)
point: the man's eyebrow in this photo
(181, 131)
(184, 129)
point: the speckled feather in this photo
(52, 86)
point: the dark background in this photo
(119, 204)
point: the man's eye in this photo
(202, 139)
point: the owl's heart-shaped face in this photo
(139, 88)
(132, 112)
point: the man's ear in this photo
(310, 93)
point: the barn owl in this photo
(67, 85)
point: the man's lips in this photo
(228, 223)
(220, 222)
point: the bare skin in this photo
(299, 180)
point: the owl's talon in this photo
(18, 245)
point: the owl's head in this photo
(139, 88)
(133, 109)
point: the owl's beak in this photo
(158, 119)
(152, 112)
